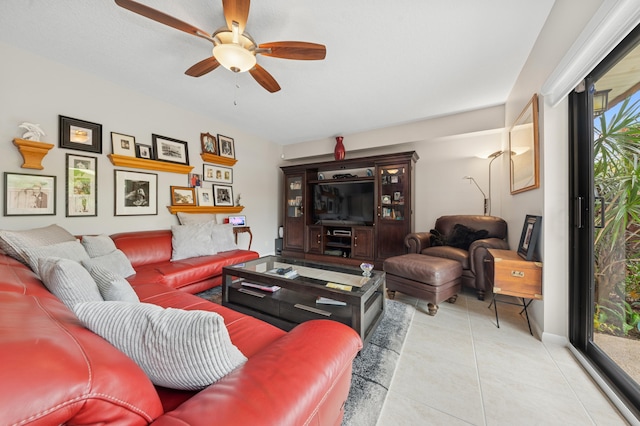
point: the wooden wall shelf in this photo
(142, 163)
(216, 159)
(205, 209)
(32, 152)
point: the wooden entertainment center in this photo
(349, 211)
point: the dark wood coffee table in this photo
(361, 309)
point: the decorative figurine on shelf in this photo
(33, 131)
(339, 151)
(238, 200)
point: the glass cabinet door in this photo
(392, 193)
(294, 196)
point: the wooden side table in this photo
(513, 276)
(241, 229)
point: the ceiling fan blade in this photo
(203, 67)
(295, 50)
(163, 18)
(264, 79)
(238, 11)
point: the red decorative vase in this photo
(339, 151)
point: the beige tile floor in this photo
(458, 368)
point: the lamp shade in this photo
(234, 57)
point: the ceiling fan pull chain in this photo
(235, 95)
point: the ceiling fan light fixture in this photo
(234, 57)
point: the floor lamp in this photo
(486, 200)
(493, 157)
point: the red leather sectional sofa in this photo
(55, 371)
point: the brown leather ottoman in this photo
(430, 278)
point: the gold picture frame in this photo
(524, 149)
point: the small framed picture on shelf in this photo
(209, 143)
(386, 199)
(136, 193)
(80, 135)
(195, 180)
(205, 196)
(217, 174)
(394, 179)
(123, 144)
(144, 151)
(397, 196)
(222, 195)
(29, 195)
(170, 150)
(183, 196)
(226, 147)
(82, 187)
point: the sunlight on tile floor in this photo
(458, 368)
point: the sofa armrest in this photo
(478, 252)
(417, 241)
(300, 378)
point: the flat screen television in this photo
(344, 203)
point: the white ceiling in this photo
(388, 62)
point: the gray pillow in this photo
(116, 261)
(13, 243)
(68, 281)
(177, 349)
(191, 218)
(112, 286)
(71, 250)
(222, 236)
(98, 245)
(192, 241)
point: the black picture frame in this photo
(81, 186)
(80, 135)
(170, 150)
(144, 151)
(222, 195)
(226, 146)
(529, 237)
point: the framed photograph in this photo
(136, 193)
(386, 199)
(144, 151)
(394, 179)
(222, 195)
(218, 174)
(397, 195)
(195, 180)
(123, 144)
(82, 186)
(529, 237)
(170, 150)
(80, 135)
(205, 196)
(183, 196)
(209, 143)
(225, 147)
(29, 195)
(524, 149)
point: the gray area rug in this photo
(374, 367)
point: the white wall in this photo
(37, 90)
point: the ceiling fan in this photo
(233, 48)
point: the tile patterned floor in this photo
(458, 368)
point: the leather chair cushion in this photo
(448, 252)
(430, 270)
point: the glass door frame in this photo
(581, 220)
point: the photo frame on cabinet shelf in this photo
(29, 195)
(209, 143)
(81, 186)
(226, 147)
(217, 174)
(529, 237)
(222, 195)
(205, 196)
(386, 199)
(170, 150)
(144, 151)
(183, 196)
(80, 135)
(136, 193)
(123, 144)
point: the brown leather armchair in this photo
(472, 260)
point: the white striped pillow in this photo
(111, 285)
(177, 349)
(68, 281)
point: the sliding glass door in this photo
(605, 168)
